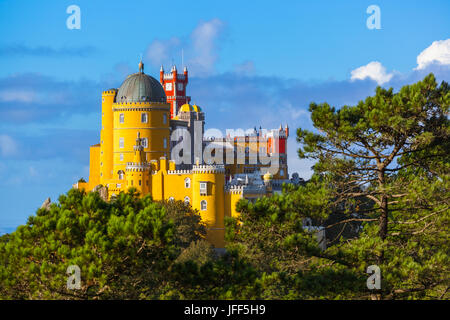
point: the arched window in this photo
(203, 205)
(187, 183)
(171, 199)
(144, 117)
(120, 173)
(187, 200)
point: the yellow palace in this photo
(139, 120)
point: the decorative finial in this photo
(141, 65)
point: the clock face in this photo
(169, 86)
(180, 86)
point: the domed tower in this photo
(140, 106)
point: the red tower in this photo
(174, 85)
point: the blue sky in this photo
(251, 63)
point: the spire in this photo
(162, 69)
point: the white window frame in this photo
(203, 188)
(121, 117)
(203, 205)
(121, 157)
(144, 115)
(187, 200)
(121, 143)
(171, 199)
(120, 174)
(169, 86)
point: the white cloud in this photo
(17, 95)
(437, 52)
(8, 146)
(373, 70)
(160, 50)
(200, 49)
(204, 45)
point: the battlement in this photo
(207, 168)
(137, 167)
(140, 104)
(109, 92)
(179, 171)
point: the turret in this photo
(185, 72)
(138, 171)
(161, 75)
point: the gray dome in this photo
(140, 87)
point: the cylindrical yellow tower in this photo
(106, 136)
(208, 197)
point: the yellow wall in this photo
(94, 166)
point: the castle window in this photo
(121, 118)
(120, 175)
(171, 199)
(118, 185)
(121, 143)
(169, 86)
(187, 183)
(165, 143)
(180, 86)
(203, 188)
(140, 183)
(121, 157)
(187, 200)
(203, 205)
(281, 172)
(144, 142)
(164, 118)
(144, 117)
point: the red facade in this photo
(174, 85)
